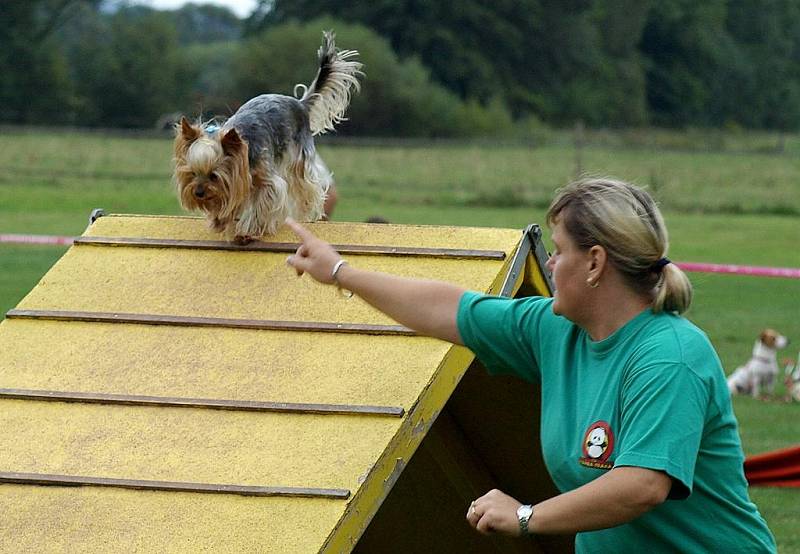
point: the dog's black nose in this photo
(199, 191)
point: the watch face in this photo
(524, 511)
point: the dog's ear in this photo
(232, 143)
(187, 131)
(185, 135)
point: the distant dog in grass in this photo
(761, 371)
(261, 165)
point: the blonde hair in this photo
(625, 221)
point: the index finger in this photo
(299, 230)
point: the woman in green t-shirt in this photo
(637, 428)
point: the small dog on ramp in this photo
(261, 165)
(761, 371)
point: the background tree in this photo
(767, 36)
(463, 43)
(688, 48)
(455, 68)
(123, 80)
(398, 97)
(35, 87)
(548, 57)
(206, 23)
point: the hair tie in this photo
(659, 265)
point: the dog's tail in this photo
(329, 94)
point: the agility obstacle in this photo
(162, 390)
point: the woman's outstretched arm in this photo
(429, 307)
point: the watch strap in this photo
(525, 515)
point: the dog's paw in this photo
(243, 239)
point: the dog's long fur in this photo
(261, 165)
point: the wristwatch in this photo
(524, 515)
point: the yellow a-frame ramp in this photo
(161, 390)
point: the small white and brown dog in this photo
(761, 371)
(261, 165)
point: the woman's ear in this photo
(597, 258)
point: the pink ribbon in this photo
(760, 271)
(35, 239)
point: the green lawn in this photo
(723, 207)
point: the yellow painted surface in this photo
(101, 520)
(533, 275)
(389, 466)
(427, 236)
(236, 364)
(187, 444)
(364, 454)
(248, 285)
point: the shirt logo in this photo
(598, 444)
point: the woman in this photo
(637, 427)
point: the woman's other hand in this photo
(495, 512)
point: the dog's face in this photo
(212, 172)
(772, 339)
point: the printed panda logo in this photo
(598, 444)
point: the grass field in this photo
(727, 206)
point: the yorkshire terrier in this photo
(261, 165)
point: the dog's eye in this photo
(213, 177)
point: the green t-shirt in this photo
(651, 395)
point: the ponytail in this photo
(674, 291)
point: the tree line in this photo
(455, 68)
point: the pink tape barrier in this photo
(760, 271)
(35, 239)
